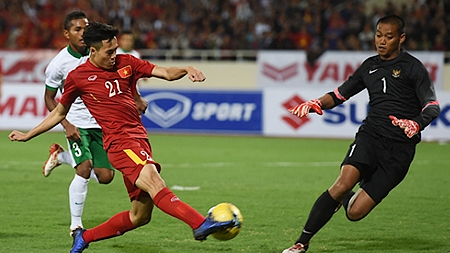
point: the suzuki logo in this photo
(280, 74)
(167, 108)
(293, 120)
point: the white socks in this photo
(94, 176)
(77, 197)
(66, 157)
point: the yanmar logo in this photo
(292, 120)
(280, 74)
(166, 108)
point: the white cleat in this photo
(52, 161)
(296, 248)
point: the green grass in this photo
(273, 181)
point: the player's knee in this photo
(356, 214)
(142, 219)
(103, 180)
(339, 191)
(84, 169)
(105, 177)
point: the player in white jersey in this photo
(126, 44)
(84, 135)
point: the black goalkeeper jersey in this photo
(401, 87)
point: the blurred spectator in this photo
(412, 44)
(285, 41)
(126, 44)
(1, 79)
(366, 37)
(303, 38)
(229, 24)
(439, 44)
(425, 43)
(353, 43)
(334, 31)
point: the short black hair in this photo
(97, 32)
(393, 20)
(73, 16)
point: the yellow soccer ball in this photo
(225, 212)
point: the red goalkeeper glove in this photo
(410, 127)
(303, 109)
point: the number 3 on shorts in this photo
(77, 149)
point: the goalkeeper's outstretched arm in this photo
(327, 101)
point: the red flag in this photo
(125, 72)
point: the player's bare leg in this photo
(150, 181)
(141, 210)
(104, 175)
(348, 178)
(359, 205)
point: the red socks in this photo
(172, 205)
(121, 223)
(115, 226)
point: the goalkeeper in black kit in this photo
(402, 103)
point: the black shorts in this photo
(383, 163)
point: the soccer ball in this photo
(225, 212)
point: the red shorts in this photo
(129, 157)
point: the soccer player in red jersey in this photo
(106, 83)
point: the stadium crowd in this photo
(228, 24)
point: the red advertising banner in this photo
(26, 66)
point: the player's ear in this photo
(66, 34)
(92, 50)
(402, 38)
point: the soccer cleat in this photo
(210, 226)
(73, 230)
(297, 248)
(78, 244)
(52, 161)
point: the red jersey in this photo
(108, 95)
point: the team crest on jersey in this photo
(396, 72)
(125, 72)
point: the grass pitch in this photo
(273, 181)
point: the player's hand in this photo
(17, 136)
(72, 132)
(410, 127)
(195, 74)
(303, 109)
(141, 105)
